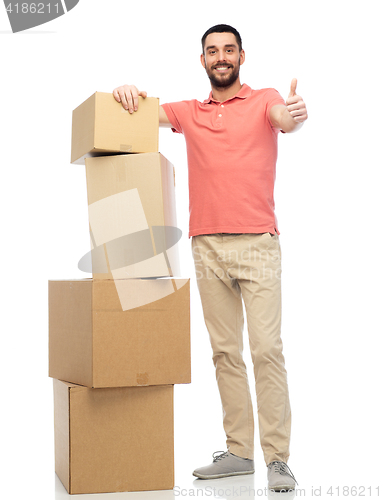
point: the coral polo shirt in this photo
(232, 154)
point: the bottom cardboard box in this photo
(113, 439)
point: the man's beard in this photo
(226, 81)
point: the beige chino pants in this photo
(229, 267)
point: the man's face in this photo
(222, 59)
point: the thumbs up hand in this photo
(295, 105)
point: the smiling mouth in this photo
(221, 68)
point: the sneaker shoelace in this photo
(283, 468)
(218, 455)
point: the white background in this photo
(328, 203)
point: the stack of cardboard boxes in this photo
(120, 341)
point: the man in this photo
(231, 141)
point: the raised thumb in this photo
(293, 87)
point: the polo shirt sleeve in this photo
(271, 98)
(177, 112)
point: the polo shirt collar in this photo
(244, 92)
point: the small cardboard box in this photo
(105, 333)
(110, 440)
(100, 125)
(132, 217)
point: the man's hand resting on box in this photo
(128, 95)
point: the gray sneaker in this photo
(225, 464)
(280, 477)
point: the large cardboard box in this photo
(109, 440)
(132, 217)
(100, 125)
(105, 333)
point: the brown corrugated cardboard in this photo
(105, 333)
(100, 125)
(110, 440)
(131, 199)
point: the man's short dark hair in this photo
(222, 28)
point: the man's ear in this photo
(203, 62)
(242, 57)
